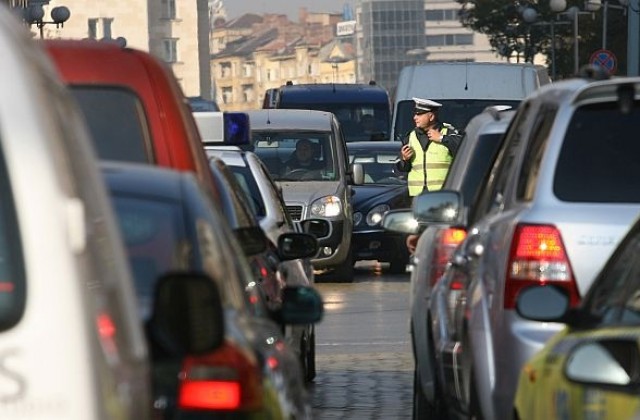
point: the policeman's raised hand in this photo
(434, 135)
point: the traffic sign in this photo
(605, 59)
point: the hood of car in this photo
(307, 192)
(369, 196)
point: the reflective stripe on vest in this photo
(437, 161)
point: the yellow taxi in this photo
(591, 369)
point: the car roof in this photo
(146, 180)
(335, 92)
(290, 119)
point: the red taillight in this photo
(227, 379)
(446, 241)
(538, 257)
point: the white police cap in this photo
(426, 104)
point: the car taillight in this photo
(446, 241)
(538, 257)
(227, 379)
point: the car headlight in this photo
(357, 218)
(374, 217)
(329, 206)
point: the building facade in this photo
(176, 31)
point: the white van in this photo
(464, 88)
(71, 343)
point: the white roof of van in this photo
(470, 80)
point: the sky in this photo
(236, 8)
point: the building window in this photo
(92, 28)
(225, 70)
(227, 95)
(247, 70)
(442, 15)
(106, 28)
(170, 50)
(169, 9)
(247, 93)
(449, 40)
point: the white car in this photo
(71, 343)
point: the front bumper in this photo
(377, 244)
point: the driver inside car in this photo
(303, 157)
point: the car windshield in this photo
(359, 122)
(379, 165)
(457, 112)
(296, 156)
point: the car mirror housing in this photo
(187, 315)
(301, 305)
(358, 173)
(610, 362)
(293, 245)
(543, 303)
(400, 221)
(438, 207)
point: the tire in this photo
(398, 266)
(343, 273)
(310, 373)
(423, 409)
(475, 413)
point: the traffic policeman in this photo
(428, 150)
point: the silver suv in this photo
(561, 194)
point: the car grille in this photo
(295, 212)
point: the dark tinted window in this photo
(248, 184)
(479, 165)
(599, 157)
(456, 112)
(12, 272)
(354, 118)
(117, 123)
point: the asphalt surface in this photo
(363, 355)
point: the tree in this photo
(512, 37)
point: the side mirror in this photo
(543, 303)
(252, 240)
(400, 221)
(319, 228)
(438, 207)
(187, 315)
(358, 173)
(301, 305)
(293, 245)
(610, 362)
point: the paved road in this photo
(364, 362)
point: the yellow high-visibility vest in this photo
(436, 160)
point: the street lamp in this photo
(594, 6)
(34, 15)
(530, 16)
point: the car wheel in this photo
(475, 413)
(343, 273)
(310, 373)
(422, 408)
(398, 266)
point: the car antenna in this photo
(268, 116)
(466, 74)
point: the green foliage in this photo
(511, 37)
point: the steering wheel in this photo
(295, 173)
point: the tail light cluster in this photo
(446, 241)
(538, 257)
(227, 379)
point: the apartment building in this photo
(252, 55)
(176, 31)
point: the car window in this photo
(479, 163)
(457, 112)
(128, 140)
(379, 166)
(278, 150)
(603, 157)
(248, 184)
(616, 298)
(492, 195)
(12, 270)
(535, 150)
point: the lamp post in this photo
(34, 15)
(530, 16)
